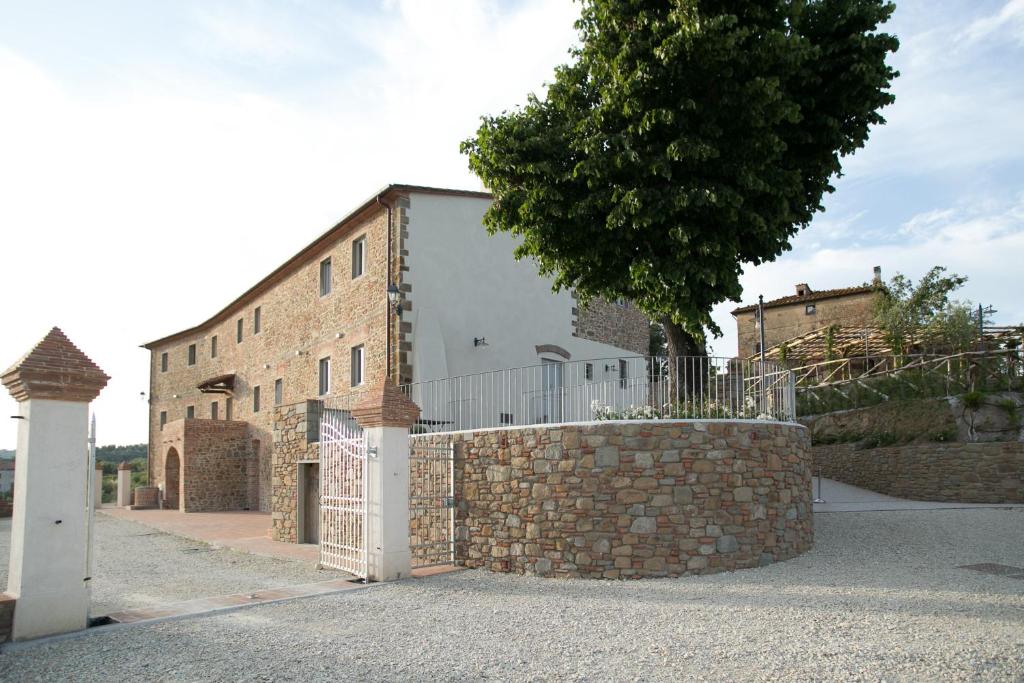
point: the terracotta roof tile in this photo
(55, 369)
(813, 296)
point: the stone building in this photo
(323, 325)
(802, 312)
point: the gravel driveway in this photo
(879, 597)
(137, 566)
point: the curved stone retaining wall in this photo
(632, 499)
(990, 472)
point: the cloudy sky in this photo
(157, 159)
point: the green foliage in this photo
(980, 375)
(783, 352)
(924, 314)
(973, 400)
(684, 140)
(657, 345)
(140, 477)
(116, 454)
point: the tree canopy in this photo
(923, 316)
(685, 139)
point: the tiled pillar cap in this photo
(124, 466)
(55, 370)
(386, 406)
(99, 464)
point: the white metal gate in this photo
(343, 453)
(431, 503)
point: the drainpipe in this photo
(387, 304)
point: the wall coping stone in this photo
(592, 423)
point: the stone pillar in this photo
(124, 485)
(386, 415)
(53, 385)
(98, 485)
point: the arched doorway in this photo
(172, 479)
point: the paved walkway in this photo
(840, 497)
(247, 532)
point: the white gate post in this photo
(124, 485)
(53, 385)
(386, 415)
(98, 486)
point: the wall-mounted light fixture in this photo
(176, 396)
(266, 366)
(480, 341)
(299, 352)
(395, 298)
(339, 335)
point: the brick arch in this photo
(554, 349)
(172, 479)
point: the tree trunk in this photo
(681, 342)
(685, 373)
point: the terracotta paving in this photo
(247, 532)
(222, 602)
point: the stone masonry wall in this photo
(622, 325)
(218, 456)
(791, 320)
(298, 327)
(290, 446)
(953, 472)
(629, 499)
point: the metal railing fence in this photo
(636, 387)
(621, 388)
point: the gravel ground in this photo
(879, 597)
(137, 566)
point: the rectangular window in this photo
(213, 346)
(357, 365)
(278, 392)
(214, 408)
(588, 371)
(255, 399)
(358, 257)
(325, 277)
(227, 408)
(163, 362)
(809, 309)
(324, 383)
(163, 418)
(190, 412)
(256, 320)
(506, 418)
(241, 324)
(623, 373)
(191, 354)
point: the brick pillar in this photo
(124, 485)
(386, 415)
(53, 385)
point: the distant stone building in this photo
(321, 325)
(803, 312)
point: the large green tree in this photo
(685, 139)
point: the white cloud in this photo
(984, 243)
(136, 208)
(1011, 15)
